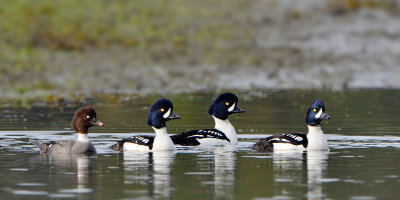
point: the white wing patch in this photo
(144, 140)
(211, 132)
(295, 137)
(166, 115)
(318, 115)
(230, 109)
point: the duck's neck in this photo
(160, 131)
(162, 141)
(315, 130)
(83, 137)
(316, 139)
(226, 127)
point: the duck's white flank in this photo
(316, 139)
(288, 147)
(129, 146)
(162, 142)
(316, 142)
(82, 137)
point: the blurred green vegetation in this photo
(177, 24)
(39, 39)
(79, 25)
(31, 32)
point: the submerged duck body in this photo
(222, 134)
(160, 112)
(315, 139)
(83, 119)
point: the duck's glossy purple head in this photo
(224, 105)
(316, 113)
(160, 112)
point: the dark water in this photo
(364, 161)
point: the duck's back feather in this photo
(192, 137)
(267, 144)
(142, 140)
(65, 146)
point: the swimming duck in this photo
(223, 133)
(313, 140)
(83, 119)
(160, 112)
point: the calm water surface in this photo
(364, 161)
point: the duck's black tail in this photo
(35, 142)
(43, 146)
(119, 146)
(263, 145)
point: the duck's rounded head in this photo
(160, 112)
(224, 105)
(316, 113)
(84, 118)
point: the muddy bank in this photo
(273, 45)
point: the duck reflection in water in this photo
(64, 166)
(224, 171)
(150, 169)
(291, 166)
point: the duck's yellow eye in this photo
(315, 110)
(87, 116)
(227, 103)
(162, 109)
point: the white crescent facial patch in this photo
(166, 115)
(318, 115)
(230, 109)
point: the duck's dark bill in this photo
(238, 110)
(173, 116)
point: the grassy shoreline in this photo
(62, 47)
